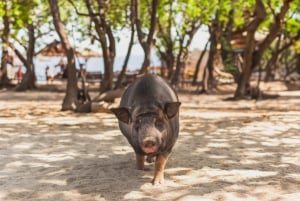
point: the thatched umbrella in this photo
(52, 49)
(56, 49)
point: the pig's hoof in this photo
(158, 180)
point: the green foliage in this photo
(176, 17)
(23, 12)
(292, 25)
(296, 46)
(144, 13)
(117, 16)
(118, 13)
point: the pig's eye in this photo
(159, 124)
(137, 124)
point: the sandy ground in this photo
(227, 151)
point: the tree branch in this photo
(79, 13)
(18, 53)
(276, 27)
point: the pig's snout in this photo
(150, 145)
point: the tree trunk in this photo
(214, 34)
(253, 57)
(298, 63)
(178, 67)
(243, 80)
(108, 47)
(272, 61)
(5, 43)
(145, 43)
(169, 60)
(243, 84)
(166, 47)
(198, 64)
(29, 79)
(226, 36)
(70, 99)
(204, 84)
(124, 67)
(273, 33)
(185, 42)
(166, 55)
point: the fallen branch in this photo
(109, 96)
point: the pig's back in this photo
(148, 88)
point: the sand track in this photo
(226, 151)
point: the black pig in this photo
(148, 118)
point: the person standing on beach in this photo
(63, 69)
(19, 74)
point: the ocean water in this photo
(93, 64)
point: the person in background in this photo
(83, 94)
(49, 76)
(19, 74)
(82, 71)
(63, 69)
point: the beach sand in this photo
(227, 151)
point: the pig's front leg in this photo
(140, 159)
(160, 164)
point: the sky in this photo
(199, 41)
(137, 54)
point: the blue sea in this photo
(93, 64)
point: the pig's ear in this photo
(122, 114)
(171, 109)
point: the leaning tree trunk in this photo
(70, 99)
(124, 68)
(198, 64)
